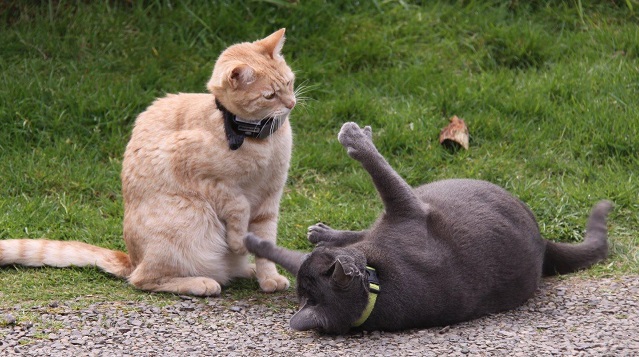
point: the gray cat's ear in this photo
(305, 319)
(344, 270)
(274, 43)
(240, 76)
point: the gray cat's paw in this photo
(255, 244)
(319, 233)
(356, 140)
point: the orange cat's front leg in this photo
(264, 225)
(234, 211)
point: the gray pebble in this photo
(9, 319)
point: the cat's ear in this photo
(235, 75)
(241, 75)
(305, 319)
(273, 43)
(344, 270)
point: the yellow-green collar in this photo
(373, 290)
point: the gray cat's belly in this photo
(493, 248)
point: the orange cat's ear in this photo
(241, 75)
(234, 75)
(273, 43)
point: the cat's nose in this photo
(290, 104)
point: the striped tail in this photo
(563, 258)
(43, 252)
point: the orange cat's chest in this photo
(263, 161)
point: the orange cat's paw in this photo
(274, 283)
(203, 287)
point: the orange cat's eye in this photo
(269, 95)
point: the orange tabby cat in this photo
(200, 171)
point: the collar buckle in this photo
(373, 280)
(373, 288)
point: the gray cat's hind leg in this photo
(321, 234)
(398, 197)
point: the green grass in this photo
(548, 89)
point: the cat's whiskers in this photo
(300, 92)
(276, 116)
(304, 87)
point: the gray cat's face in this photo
(332, 288)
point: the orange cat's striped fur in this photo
(189, 199)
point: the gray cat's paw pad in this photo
(350, 133)
(356, 140)
(318, 232)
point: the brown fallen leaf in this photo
(454, 134)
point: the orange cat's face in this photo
(253, 81)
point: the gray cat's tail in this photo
(563, 258)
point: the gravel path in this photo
(568, 317)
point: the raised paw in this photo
(319, 233)
(274, 282)
(357, 141)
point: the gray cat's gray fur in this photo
(444, 252)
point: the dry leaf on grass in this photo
(454, 134)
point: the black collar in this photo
(236, 129)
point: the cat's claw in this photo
(318, 233)
(356, 140)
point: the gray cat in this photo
(441, 253)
